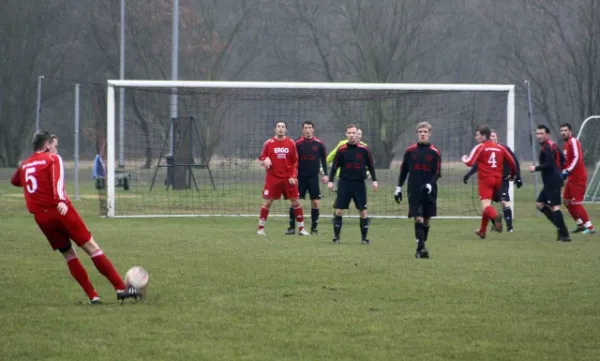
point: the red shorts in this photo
(276, 187)
(489, 188)
(574, 191)
(60, 229)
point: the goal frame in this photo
(174, 84)
(590, 191)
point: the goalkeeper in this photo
(331, 155)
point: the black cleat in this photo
(580, 228)
(290, 231)
(336, 241)
(423, 253)
(314, 231)
(564, 239)
(365, 241)
(510, 229)
(130, 292)
(498, 224)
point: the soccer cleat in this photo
(510, 229)
(95, 301)
(261, 232)
(479, 234)
(589, 231)
(423, 253)
(336, 241)
(130, 292)
(580, 228)
(314, 231)
(563, 239)
(303, 232)
(498, 224)
(365, 241)
(290, 231)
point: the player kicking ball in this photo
(422, 164)
(353, 160)
(279, 157)
(311, 158)
(503, 197)
(42, 177)
(576, 176)
(550, 163)
(490, 158)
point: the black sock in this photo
(560, 223)
(420, 235)
(364, 227)
(425, 231)
(508, 217)
(292, 218)
(314, 218)
(337, 226)
(550, 215)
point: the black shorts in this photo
(550, 196)
(425, 209)
(351, 190)
(503, 195)
(310, 185)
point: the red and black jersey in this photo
(422, 164)
(312, 155)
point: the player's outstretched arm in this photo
(470, 159)
(15, 180)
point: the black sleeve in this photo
(370, 164)
(436, 164)
(472, 171)
(545, 158)
(323, 156)
(404, 169)
(516, 161)
(335, 165)
(563, 160)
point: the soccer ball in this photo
(137, 277)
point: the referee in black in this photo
(311, 157)
(353, 160)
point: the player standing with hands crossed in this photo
(490, 158)
(422, 165)
(353, 160)
(280, 158)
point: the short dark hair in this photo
(566, 125)
(281, 121)
(40, 139)
(544, 128)
(484, 130)
(308, 122)
(351, 126)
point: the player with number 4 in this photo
(490, 158)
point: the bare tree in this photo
(27, 51)
(383, 41)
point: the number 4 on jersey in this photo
(492, 160)
(32, 184)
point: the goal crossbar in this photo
(111, 118)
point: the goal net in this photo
(189, 148)
(588, 136)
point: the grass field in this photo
(220, 292)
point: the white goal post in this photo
(592, 191)
(168, 86)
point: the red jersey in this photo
(42, 177)
(490, 159)
(283, 155)
(574, 160)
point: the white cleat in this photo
(303, 233)
(261, 232)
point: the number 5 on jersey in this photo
(32, 183)
(492, 160)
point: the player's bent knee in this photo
(539, 205)
(90, 246)
(419, 220)
(65, 249)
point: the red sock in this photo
(264, 214)
(106, 268)
(299, 214)
(573, 211)
(489, 213)
(581, 211)
(81, 276)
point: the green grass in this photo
(219, 292)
